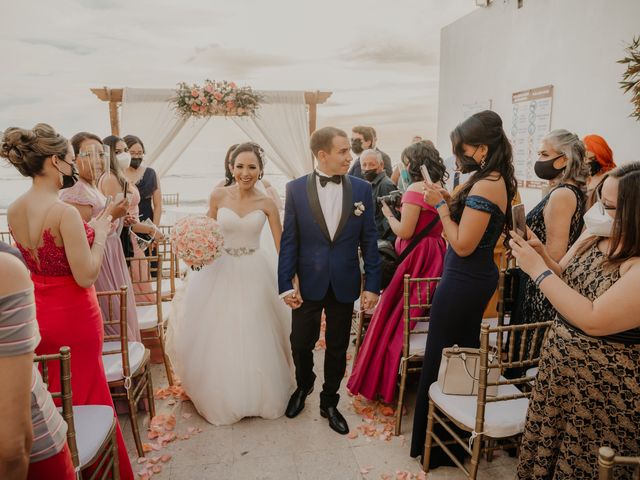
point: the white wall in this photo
(570, 44)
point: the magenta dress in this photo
(113, 273)
(376, 369)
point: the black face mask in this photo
(356, 146)
(69, 181)
(369, 175)
(545, 170)
(135, 162)
(594, 167)
(467, 164)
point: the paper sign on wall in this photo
(530, 122)
(470, 108)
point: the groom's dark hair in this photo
(322, 139)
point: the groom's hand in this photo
(369, 300)
(293, 300)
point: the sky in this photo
(380, 59)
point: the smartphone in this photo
(126, 187)
(108, 202)
(519, 220)
(425, 174)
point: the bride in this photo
(228, 334)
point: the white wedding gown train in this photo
(228, 333)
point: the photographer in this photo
(376, 368)
(373, 172)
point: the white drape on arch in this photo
(281, 128)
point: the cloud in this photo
(235, 61)
(18, 101)
(390, 53)
(60, 45)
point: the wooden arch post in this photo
(114, 97)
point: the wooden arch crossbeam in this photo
(114, 97)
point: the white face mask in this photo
(597, 221)
(124, 160)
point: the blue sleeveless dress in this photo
(458, 305)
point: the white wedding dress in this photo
(228, 332)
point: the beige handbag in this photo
(459, 372)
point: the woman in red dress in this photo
(64, 255)
(376, 369)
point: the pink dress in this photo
(376, 369)
(69, 315)
(114, 272)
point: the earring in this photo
(483, 163)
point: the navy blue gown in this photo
(458, 305)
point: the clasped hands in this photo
(294, 299)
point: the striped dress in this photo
(19, 335)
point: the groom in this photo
(327, 216)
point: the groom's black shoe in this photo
(336, 420)
(296, 402)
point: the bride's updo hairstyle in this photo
(248, 147)
(27, 149)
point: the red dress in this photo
(376, 369)
(69, 315)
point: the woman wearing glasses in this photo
(557, 219)
(92, 161)
(587, 391)
(137, 236)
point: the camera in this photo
(394, 199)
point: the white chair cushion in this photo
(113, 363)
(532, 372)
(92, 424)
(166, 285)
(417, 343)
(147, 316)
(501, 419)
(421, 327)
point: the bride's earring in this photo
(483, 163)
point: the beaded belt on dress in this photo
(239, 252)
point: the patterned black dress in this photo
(536, 307)
(587, 391)
(532, 305)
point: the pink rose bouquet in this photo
(197, 241)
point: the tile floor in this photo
(304, 448)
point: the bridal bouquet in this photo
(197, 241)
(215, 98)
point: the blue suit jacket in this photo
(307, 249)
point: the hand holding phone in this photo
(519, 220)
(425, 174)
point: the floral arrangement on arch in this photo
(215, 98)
(197, 240)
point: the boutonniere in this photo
(358, 209)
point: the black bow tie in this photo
(324, 180)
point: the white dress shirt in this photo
(330, 197)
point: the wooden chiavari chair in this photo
(91, 429)
(500, 417)
(6, 238)
(126, 363)
(608, 460)
(416, 311)
(171, 199)
(152, 317)
(168, 268)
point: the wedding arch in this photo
(282, 127)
